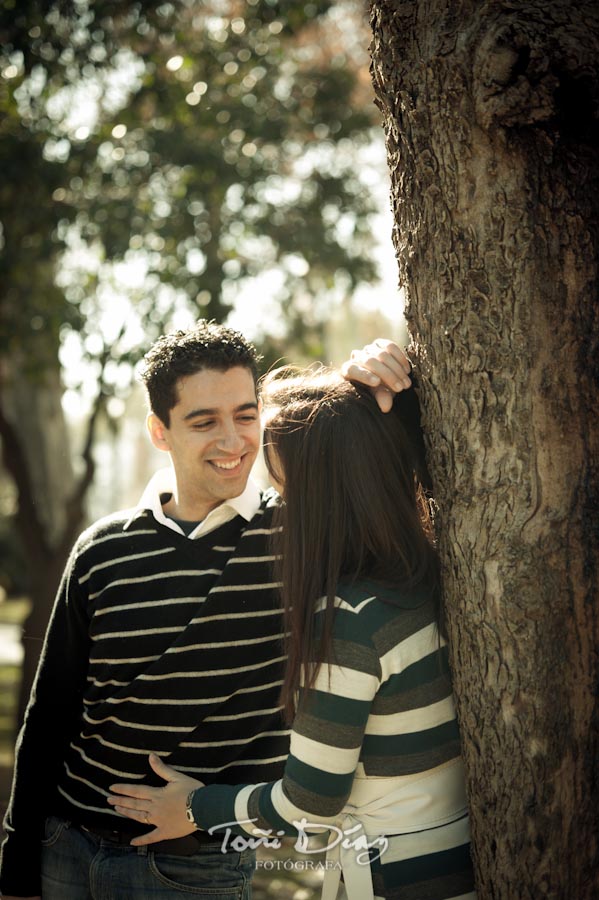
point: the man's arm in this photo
(383, 366)
(51, 717)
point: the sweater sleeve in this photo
(326, 741)
(51, 718)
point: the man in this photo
(165, 637)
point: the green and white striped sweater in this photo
(379, 722)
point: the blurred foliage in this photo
(196, 145)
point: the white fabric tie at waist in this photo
(340, 858)
(408, 809)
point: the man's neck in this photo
(189, 511)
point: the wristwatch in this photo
(189, 810)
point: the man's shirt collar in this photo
(162, 482)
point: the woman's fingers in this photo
(137, 791)
(150, 838)
(391, 354)
(382, 363)
(386, 360)
(142, 791)
(138, 813)
(384, 398)
(161, 768)
(130, 804)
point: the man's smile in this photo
(226, 464)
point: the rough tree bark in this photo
(491, 119)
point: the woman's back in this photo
(375, 746)
(380, 723)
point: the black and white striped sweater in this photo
(157, 643)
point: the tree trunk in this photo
(35, 452)
(491, 119)
(33, 406)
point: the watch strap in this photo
(189, 810)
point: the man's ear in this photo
(158, 432)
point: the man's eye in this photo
(250, 418)
(200, 426)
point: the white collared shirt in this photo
(163, 482)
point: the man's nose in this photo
(230, 440)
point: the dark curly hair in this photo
(179, 354)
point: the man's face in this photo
(213, 438)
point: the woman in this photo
(374, 747)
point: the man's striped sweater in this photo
(157, 643)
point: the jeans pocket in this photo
(226, 876)
(53, 828)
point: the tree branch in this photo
(74, 505)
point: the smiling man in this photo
(165, 638)
(212, 435)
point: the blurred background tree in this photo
(161, 162)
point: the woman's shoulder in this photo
(359, 609)
(365, 593)
(382, 614)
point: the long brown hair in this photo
(353, 507)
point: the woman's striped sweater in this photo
(157, 643)
(379, 722)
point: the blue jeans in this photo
(77, 865)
